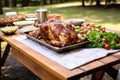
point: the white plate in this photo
(31, 19)
(11, 13)
(23, 23)
(27, 28)
(30, 15)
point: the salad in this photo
(98, 36)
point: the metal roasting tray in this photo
(57, 49)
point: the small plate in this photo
(30, 15)
(31, 19)
(27, 29)
(23, 23)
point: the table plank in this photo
(109, 59)
(92, 67)
(101, 63)
(117, 55)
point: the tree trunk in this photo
(97, 2)
(44, 2)
(83, 2)
(51, 1)
(25, 2)
(61, 1)
(14, 3)
(6, 3)
(1, 10)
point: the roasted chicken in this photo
(56, 33)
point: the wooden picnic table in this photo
(46, 69)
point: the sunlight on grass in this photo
(67, 4)
(112, 26)
(106, 17)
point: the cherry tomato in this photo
(107, 47)
(88, 27)
(82, 28)
(91, 28)
(103, 30)
(103, 40)
(88, 24)
(81, 32)
(117, 41)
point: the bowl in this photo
(11, 13)
(76, 22)
(9, 30)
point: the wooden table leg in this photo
(112, 72)
(98, 75)
(0, 57)
(4, 56)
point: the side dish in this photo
(9, 30)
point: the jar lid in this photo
(41, 10)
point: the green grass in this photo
(109, 18)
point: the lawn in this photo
(109, 18)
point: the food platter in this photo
(57, 49)
(10, 19)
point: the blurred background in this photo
(101, 12)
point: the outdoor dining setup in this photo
(57, 49)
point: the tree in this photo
(97, 2)
(45, 2)
(6, 3)
(1, 10)
(14, 3)
(25, 2)
(51, 1)
(83, 2)
(61, 1)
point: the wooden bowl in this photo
(9, 30)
